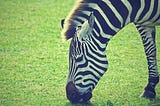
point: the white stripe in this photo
(107, 20)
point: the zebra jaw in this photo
(74, 95)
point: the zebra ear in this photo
(91, 20)
(62, 22)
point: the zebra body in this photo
(91, 25)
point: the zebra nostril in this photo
(86, 97)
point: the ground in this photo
(34, 59)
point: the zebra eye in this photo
(78, 28)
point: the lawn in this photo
(34, 59)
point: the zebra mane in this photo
(70, 24)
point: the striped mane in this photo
(70, 23)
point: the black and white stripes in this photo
(91, 25)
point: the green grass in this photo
(34, 60)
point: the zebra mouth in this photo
(74, 96)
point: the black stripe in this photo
(79, 20)
(89, 79)
(85, 64)
(79, 59)
(88, 72)
(100, 38)
(145, 10)
(109, 13)
(98, 46)
(91, 56)
(85, 16)
(90, 9)
(83, 86)
(106, 29)
(154, 9)
(136, 4)
(157, 19)
(96, 53)
(96, 70)
(94, 58)
(122, 10)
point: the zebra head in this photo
(86, 63)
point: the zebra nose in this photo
(72, 92)
(74, 96)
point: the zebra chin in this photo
(74, 96)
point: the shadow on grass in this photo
(79, 104)
(155, 102)
(109, 103)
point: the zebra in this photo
(90, 25)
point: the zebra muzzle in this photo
(74, 95)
